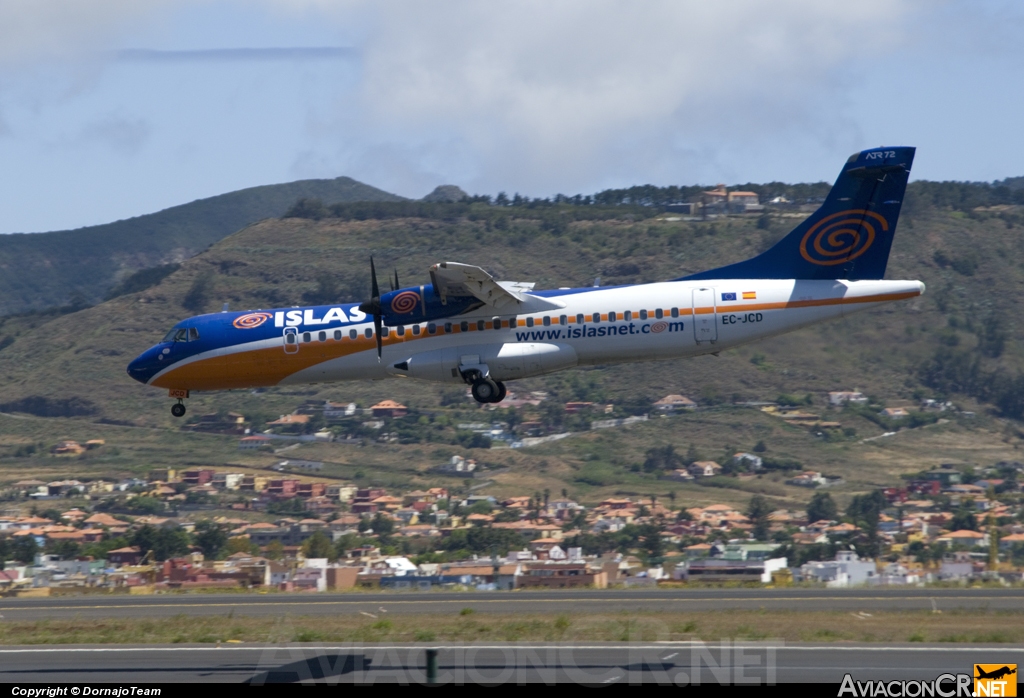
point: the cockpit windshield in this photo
(182, 334)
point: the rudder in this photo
(849, 236)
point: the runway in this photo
(562, 601)
(673, 663)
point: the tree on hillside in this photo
(662, 458)
(164, 542)
(758, 511)
(318, 545)
(210, 538)
(963, 520)
(821, 508)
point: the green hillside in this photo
(961, 340)
(46, 270)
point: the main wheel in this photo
(484, 391)
(502, 392)
(178, 410)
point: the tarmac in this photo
(669, 663)
(559, 601)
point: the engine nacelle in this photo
(407, 306)
(502, 362)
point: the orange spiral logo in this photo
(251, 320)
(842, 236)
(405, 302)
(659, 327)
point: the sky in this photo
(115, 108)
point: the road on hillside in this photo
(564, 601)
(496, 663)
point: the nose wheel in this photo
(178, 410)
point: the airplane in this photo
(465, 327)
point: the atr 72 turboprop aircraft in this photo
(465, 327)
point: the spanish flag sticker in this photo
(749, 295)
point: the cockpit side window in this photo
(182, 334)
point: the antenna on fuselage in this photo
(224, 308)
(597, 282)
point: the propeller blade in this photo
(375, 290)
(377, 332)
(397, 286)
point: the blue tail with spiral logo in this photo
(849, 237)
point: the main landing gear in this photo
(486, 390)
(178, 410)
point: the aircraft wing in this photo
(454, 279)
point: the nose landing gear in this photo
(178, 410)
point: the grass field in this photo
(471, 625)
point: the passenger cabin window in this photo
(306, 337)
(597, 317)
(368, 333)
(529, 322)
(431, 328)
(563, 320)
(496, 323)
(323, 336)
(415, 330)
(612, 317)
(481, 325)
(579, 319)
(289, 338)
(643, 314)
(675, 312)
(447, 328)
(401, 330)
(337, 335)
(352, 334)
(464, 326)
(628, 315)
(547, 321)
(659, 314)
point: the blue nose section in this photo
(148, 364)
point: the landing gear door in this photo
(291, 340)
(705, 316)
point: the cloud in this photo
(225, 55)
(121, 135)
(563, 96)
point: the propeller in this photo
(397, 285)
(372, 307)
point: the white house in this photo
(838, 398)
(846, 570)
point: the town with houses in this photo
(283, 530)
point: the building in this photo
(389, 408)
(227, 481)
(560, 575)
(310, 489)
(968, 538)
(894, 413)
(283, 488)
(808, 478)
(342, 493)
(251, 443)
(68, 448)
(704, 468)
(730, 569)
(462, 467)
(748, 461)
(253, 483)
(846, 570)
(125, 556)
(338, 410)
(672, 403)
(837, 398)
(198, 477)
(290, 420)
(162, 475)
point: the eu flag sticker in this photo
(728, 296)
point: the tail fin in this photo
(849, 237)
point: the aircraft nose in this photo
(146, 365)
